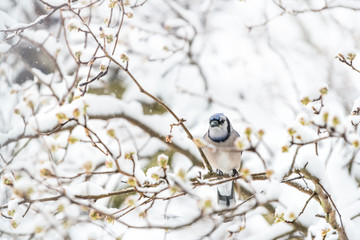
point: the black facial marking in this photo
(228, 126)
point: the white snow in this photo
(87, 188)
(154, 174)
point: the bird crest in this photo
(216, 116)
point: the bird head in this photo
(220, 128)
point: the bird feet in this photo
(219, 172)
(235, 173)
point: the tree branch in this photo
(327, 204)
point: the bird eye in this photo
(222, 121)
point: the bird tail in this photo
(226, 196)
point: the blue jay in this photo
(223, 158)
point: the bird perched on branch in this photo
(223, 157)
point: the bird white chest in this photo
(224, 161)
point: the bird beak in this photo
(214, 123)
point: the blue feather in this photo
(216, 116)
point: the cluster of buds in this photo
(61, 117)
(95, 215)
(124, 57)
(76, 113)
(350, 57)
(8, 179)
(111, 133)
(109, 162)
(109, 37)
(45, 172)
(132, 181)
(72, 139)
(130, 200)
(77, 55)
(306, 99)
(129, 155)
(14, 223)
(242, 143)
(112, 3)
(162, 161)
(88, 166)
(109, 219)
